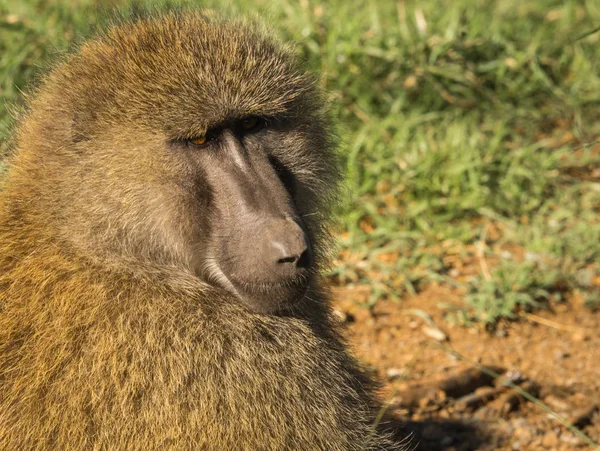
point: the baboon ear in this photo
(79, 126)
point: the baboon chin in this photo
(162, 228)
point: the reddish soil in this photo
(438, 394)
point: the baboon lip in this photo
(270, 297)
(250, 285)
(266, 296)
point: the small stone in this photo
(435, 333)
(522, 433)
(395, 373)
(501, 333)
(580, 336)
(560, 355)
(571, 439)
(550, 440)
(509, 377)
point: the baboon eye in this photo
(251, 123)
(199, 140)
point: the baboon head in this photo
(188, 144)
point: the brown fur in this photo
(108, 339)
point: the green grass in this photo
(469, 131)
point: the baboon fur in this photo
(108, 339)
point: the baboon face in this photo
(202, 147)
(254, 242)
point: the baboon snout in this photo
(272, 250)
(268, 262)
(283, 251)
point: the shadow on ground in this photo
(443, 435)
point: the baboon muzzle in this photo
(258, 240)
(281, 248)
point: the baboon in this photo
(162, 227)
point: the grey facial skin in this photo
(258, 249)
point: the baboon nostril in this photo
(287, 250)
(301, 261)
(291, 259)
(298, 257)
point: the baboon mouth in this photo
(271, 289)
(271, 297)
(263, 296)
(268, 287)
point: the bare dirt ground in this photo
(447, 403)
